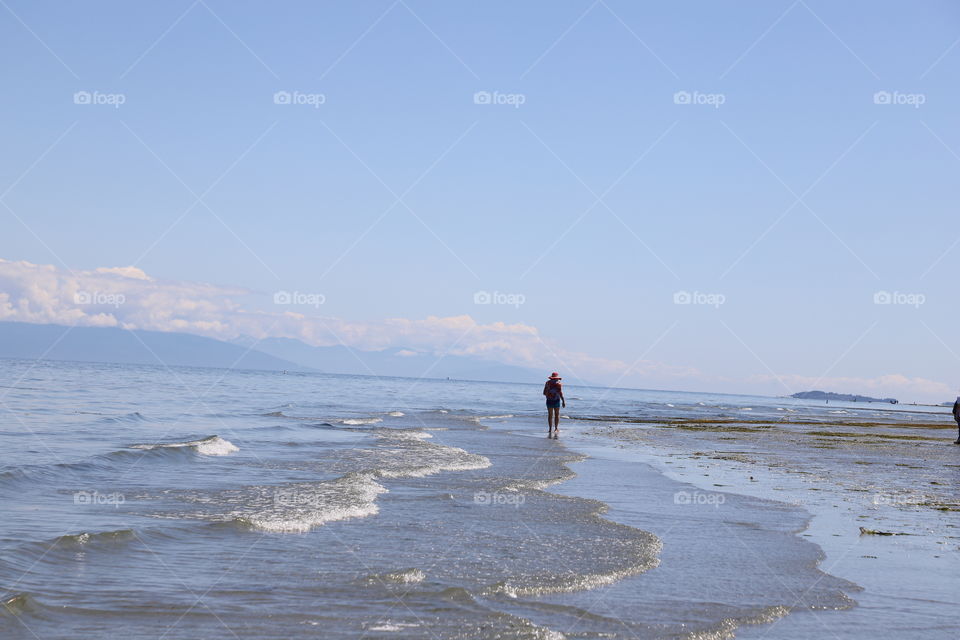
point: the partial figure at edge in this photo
(956, 416)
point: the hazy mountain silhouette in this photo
(111, 344)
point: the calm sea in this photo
(149, 502)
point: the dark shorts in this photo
(553, 404)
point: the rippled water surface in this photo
(147, 502)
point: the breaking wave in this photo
(209, 446)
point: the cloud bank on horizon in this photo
(128, 298)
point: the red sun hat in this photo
(555, 376)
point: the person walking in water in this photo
(956, 416)
(553, 390)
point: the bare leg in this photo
(553, 416)
(553, 419)
(549, 422)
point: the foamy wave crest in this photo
(540, 585)
(211, 446)
(405, 576)
(396, 414)
(356, 421)
(415, 458)
(727, 627)
(404, 434)
(393, 626)
(297, 508)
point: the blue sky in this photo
(597, 199)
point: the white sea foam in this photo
(297, 508)
(434, 460)
(356, 421)
(396, 414)
(302, 524)
(415, 458)
(300, 507)
(211, 446)
(405, 435)
(583, 582)
(392, 626)
(406, 576)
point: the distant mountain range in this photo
(109, 344)
(389, 362)
(839, 397)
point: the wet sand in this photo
(858, 479)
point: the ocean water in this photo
(150, 502)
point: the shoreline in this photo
(881, 565)
(713, 589)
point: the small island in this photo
(839, 397)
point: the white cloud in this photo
(128, 272)
(128, 298)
